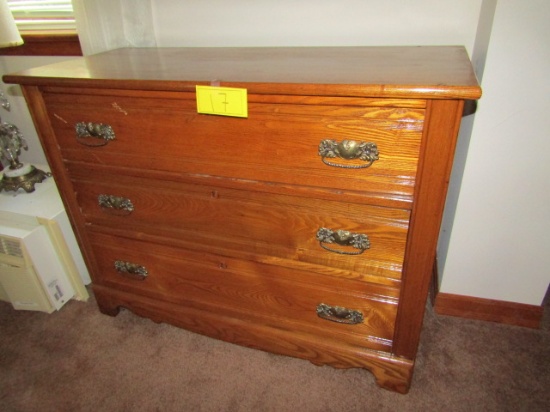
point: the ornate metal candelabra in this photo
(17, 175)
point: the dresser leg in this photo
(394, 374)
(106, 305)
(394, 384)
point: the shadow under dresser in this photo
(307, 228)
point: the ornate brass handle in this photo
(343, 238)
(348, 150)
(131, 270)
(115, 203)
(94, 134)
(339, 314)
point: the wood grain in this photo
(390, 372)
(470, 307)
(258, 292)
(437, 154)
(277, 143)
(46, 44)
(394, 72)
(274, 225)
(225, 208)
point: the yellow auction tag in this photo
(223, 101)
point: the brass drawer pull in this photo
(94, 134)
(339, 314)
(348, 150)
(343, 238)
(115, 203)
(131, 270)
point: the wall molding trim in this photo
(46, 43)
(469, 307)
(511, 313)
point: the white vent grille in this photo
(10, 247)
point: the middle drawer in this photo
(245, 223)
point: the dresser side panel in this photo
(436, 158)
(47, 136)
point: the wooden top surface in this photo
(408, 72)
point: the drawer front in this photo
(249, 223)
(286, 143)
(360, 313)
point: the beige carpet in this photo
(80, 360)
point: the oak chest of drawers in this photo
(307, 229)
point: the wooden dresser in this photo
(307, 229)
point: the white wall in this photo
(498, 248)
(315, 23)
(479, 57)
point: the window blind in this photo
(43, 14)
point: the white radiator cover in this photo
(41, 266)
(31, 273)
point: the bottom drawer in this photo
(299, 301)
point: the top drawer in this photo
(278, 142)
